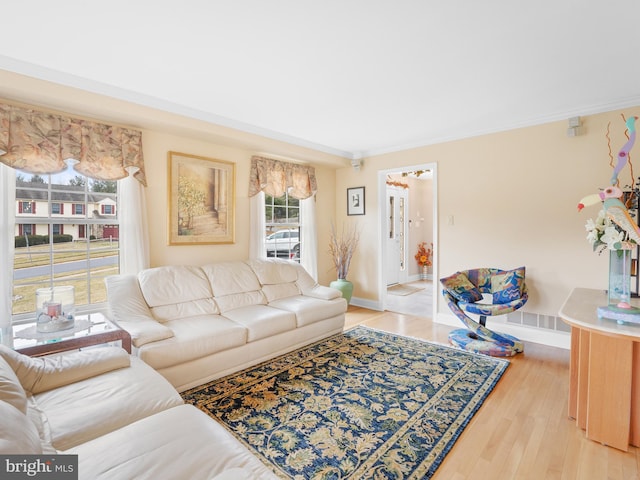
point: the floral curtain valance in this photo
(40, 142)
(274, 178)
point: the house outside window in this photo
(58, 221)
(282, 221)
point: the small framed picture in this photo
(355, 201)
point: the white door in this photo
(395, 271)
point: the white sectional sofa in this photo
(122, 419)
(194, 324)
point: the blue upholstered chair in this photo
(466, 293)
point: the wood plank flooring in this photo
(522, 430)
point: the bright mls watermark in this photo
(51, 467)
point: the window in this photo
(78, 236)
(282, 221)
(27, 229)
(26, 207)
(108, 209)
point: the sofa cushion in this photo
(227, 278)
(44, 373)
(310, 310)
(461, 288)
(181, 442)
(87, 409)
(507, 286)
(176, 291)
(274, 271)
(234, 285)
(194, 337)
(18, 435)
(39, 419)
(262, 321)
(280, 290)
(11, 390)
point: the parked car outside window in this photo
(283, 243)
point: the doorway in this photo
(408, 216)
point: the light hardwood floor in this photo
(522, 430)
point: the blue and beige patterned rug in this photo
(360, 405)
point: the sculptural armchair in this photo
(468, 291)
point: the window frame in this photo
(273, 226)
(72, 222)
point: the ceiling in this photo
(347, 77)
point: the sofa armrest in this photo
(308, 286)
(46, 373)
(144, 330)
(322, 292)
(128, 309)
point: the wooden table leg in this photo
(609, 390)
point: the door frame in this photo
(382, 230)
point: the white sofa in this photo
(120, 417)
(194, 324)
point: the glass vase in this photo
(619, 276)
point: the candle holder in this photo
(55, 308)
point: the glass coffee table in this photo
(88, 330)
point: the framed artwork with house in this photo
(201, 200)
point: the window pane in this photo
(72, 251)
(282, 222)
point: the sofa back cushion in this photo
(11, 390)
(174, 292)
(234, 285)
(18, 435)
(279, 278)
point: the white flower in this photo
(592, 236)
(602, 234)
(612, 237)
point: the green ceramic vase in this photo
(345, 286)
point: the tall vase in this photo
(345, 286)
(619, 276)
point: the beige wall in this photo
(513, 198)
(156, 145)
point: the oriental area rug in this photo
(363, 404)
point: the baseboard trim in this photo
(550, 338)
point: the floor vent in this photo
(535, 320)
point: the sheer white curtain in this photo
(257, 229)
(308, 233)
(7, 239)
(134, 233)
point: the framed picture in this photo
(355, 201)
(201, 200)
